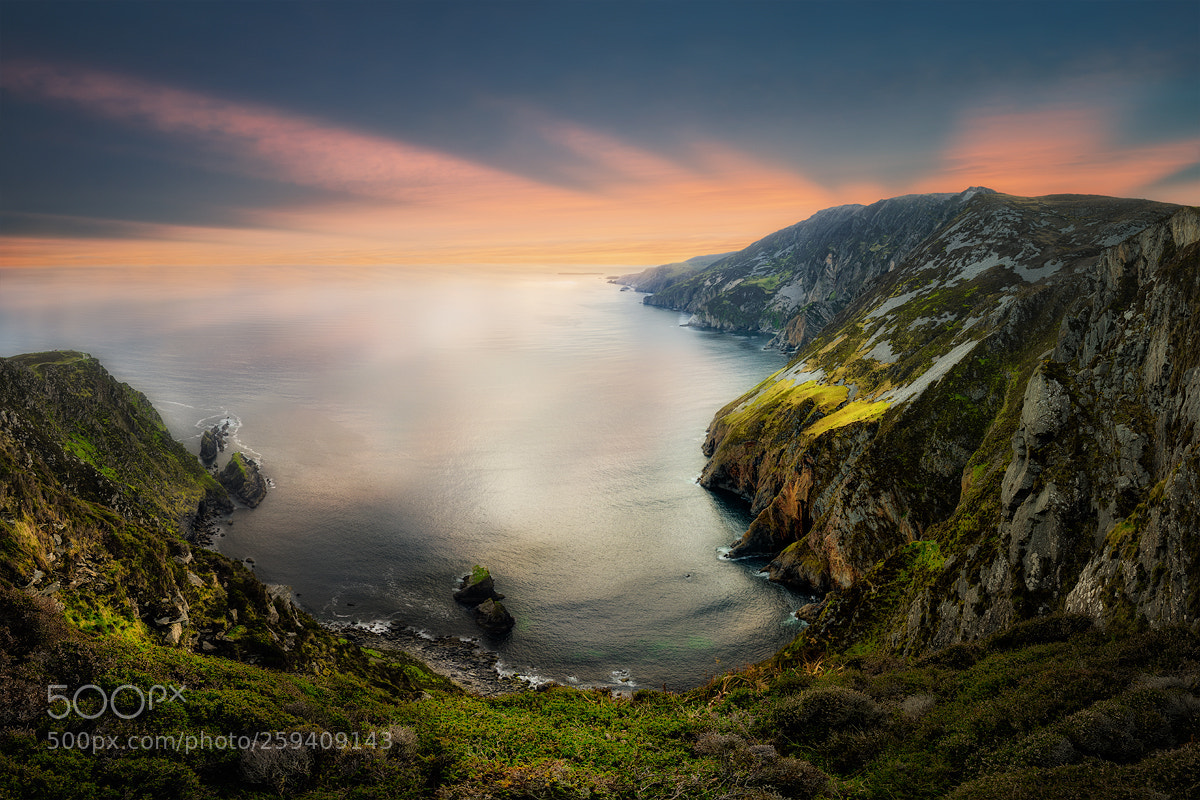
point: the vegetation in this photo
(1049, 703)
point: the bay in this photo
(546, 426)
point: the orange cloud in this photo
(415, 206)
(419, 206)
(1055, 150)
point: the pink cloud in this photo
(265, 141)
(421, 206)
(1050, 150)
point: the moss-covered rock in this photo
(476, 587)
(243, 479)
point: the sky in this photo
(573, 134)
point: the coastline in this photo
(465, 662)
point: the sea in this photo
(412, 425)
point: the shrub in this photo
(916, 706)
(760, 765)
(791, 682)
(814, 715)
(285, 769)
(1043, 630)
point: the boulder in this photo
(173, 633)
(492, 616)
(477, 587)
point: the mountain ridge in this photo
(795, 280)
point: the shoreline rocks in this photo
(465, 662)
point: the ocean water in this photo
(546, 426)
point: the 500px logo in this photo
(126, 709)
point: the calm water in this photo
(548, 427)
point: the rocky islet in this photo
(478, 590)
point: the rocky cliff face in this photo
(1097, 505)
(793, 282)
(97, 503)
(1002, 426)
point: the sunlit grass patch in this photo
(851, 413)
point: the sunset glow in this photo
(348, 193)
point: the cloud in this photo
(1066, 148)
(419, 206)
(263, 141)
(623, 205)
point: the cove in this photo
(548, 426)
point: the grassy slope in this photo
(1050, 703)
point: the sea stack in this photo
(208, 447)
(242, 479)
(479, 590)
(492, 616)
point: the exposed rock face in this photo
(243, 479)
(1003, 425)
(208, 448)
(1098, 510)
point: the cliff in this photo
(99, 510)
(793, 282)
(1001, 427)
(656, 279)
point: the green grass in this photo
(851, 413)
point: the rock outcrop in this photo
(478, 590)
(244, 480)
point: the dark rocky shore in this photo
(465, 662)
